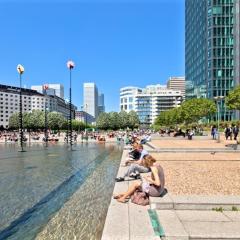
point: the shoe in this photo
(119, 179)
(135, 175)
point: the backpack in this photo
(140, 198)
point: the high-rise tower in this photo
(90, 99)
(212, 49)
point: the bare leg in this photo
(129, 192)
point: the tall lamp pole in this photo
(86, 120)
(67, 135)
(45, 87)
(20, 70)
(218, 100)
(70, 65)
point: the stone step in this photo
(195, 202)
(196, 225)
(173, 229)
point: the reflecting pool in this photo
(56, 193)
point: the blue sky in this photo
(114, 43)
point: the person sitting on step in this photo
(141, 153)
(152, 185)
(135, 169)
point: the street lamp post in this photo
(45, 87)
(20, 70)
(46, 127)
(67, 133)
(70, 65)
(86, 120)
(218, 102)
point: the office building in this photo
(149, 102)
(177, 83)
(127, 98)
(51, 89)
(90, 99)
(31, 100)
(212, 50)
(101, 106)
(84, 117)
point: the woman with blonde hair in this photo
(152, 185)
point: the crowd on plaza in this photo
(7, 136)
(178, 132)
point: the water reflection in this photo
(35, 184)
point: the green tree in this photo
(123, 119)
(191, 111)
(103, 121)
(78, 125)
(114, 121)
(194, 109)
(233, 99)
(14, 121)
(56, 120)
(170, 117)
(36, 120)
(133, 120)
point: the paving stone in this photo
(173, 228)
(117, 222)
(201, 216)
(233, 215)
(213, 230)
(140, 224)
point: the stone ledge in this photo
(127, 221)
(194, 202)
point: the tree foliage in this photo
(14, 121)
(233, 99)
(191, 111)
(56, 121)
(123, 118)
(103, 121)
(133, 120)
(78, 125)
(114, 120)
(195, 109)
(35, 120)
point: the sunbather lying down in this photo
(153, 185)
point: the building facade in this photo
(90, 99)
(212, 50)
(127, 98)
(31, 100)
(101, 105)
(149, 102)
(84, 117)
(177, 83)
(51, 89)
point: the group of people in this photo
(9, 136)
(140, 161)
(230, 132)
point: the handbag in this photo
(140, 198)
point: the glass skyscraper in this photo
(90, 99)
(212, 49)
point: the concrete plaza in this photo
(202, 178)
